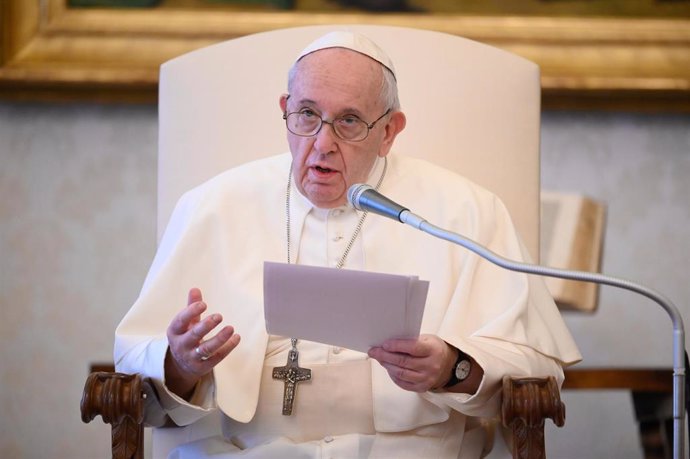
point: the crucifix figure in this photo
(291, 373)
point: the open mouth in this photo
(323, 170)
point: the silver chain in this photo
(358, 228)
(341, 263)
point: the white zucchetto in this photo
(353, 41)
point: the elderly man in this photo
(419, 397)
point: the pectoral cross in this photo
(291, 373)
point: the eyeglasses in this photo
(307, 123)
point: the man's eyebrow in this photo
(351, 111)
(344, 111)
(306, 101)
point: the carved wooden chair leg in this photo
(527, 402)
(119, 399)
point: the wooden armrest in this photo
(119, 399)
(527, 402)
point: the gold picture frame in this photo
(51, 52)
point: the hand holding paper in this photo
(340, 307)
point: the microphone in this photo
(364, 197)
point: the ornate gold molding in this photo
(50, 52)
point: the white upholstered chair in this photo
(470, 107)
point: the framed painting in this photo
(608, 55)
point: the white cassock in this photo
(218, 238)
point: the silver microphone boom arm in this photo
(363, 197)
(418, 222)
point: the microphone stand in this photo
(415, 221)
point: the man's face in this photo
(333, 83)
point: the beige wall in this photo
(77, 232)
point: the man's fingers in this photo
(194, 296)
(192, 354)
(198, 331)
(408, 379)
(218, 347)
(186, 318)
(399, 366)
(408, 371)
(404, 374)
(386, 357)
(189, 315)
(414, 347)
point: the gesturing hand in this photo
(191, 356)
(416, 365)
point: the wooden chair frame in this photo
(199, 79)
(120, 400)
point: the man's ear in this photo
(283, 102)
(396, 123)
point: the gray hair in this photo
(388, 92)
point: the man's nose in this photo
(326, 139)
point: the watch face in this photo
(462, 370)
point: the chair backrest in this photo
(470, 107)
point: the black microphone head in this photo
(355, 192)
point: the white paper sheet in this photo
(342, 307)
